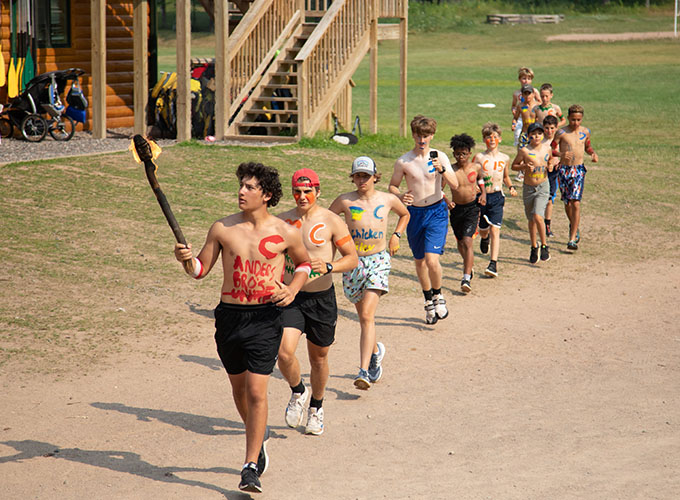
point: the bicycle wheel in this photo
(6, 128)
(33, 128)
(62, 128)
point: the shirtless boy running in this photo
(465, 212)
(248, 318)
(496, 172)
(573, 141)
(426, 172)
(534, 160)
(366, 211)
(314, 310)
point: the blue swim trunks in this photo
(427, 228)
(491, 214)
(572, 179)
(372, 273)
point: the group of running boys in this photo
(277, 282)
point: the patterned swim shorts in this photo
(571, 181)
(372, 273)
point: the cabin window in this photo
(54, 23)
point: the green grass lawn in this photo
(91, 225)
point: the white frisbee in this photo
(487, 105)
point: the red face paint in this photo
(274, 238)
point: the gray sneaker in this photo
(314, 421)
(375, 366)
(362, 381)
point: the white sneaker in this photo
(296, 407)
(440, 306)
(430, 314)
(314, 421)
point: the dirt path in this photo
(579, 401)
(610, 37)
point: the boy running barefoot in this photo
(496, 172)
(533, 161)
(366, 211)
(525, 77)
(465, 206)
(426, 171)
(549, 129)
(546, 106)
(573, 141)
(314, 310)
(248, 318)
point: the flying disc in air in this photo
(487, 105)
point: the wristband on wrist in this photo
(198, 268)
(305, 267)
(397, 234)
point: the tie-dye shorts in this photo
(372, 273)
(571, 181)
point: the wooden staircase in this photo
(286, 87)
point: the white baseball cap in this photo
(363, 164)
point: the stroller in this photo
(39, 108)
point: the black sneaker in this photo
(491, 270)
(263, 458)
(250, 479)
(533, 258)
(465, 286)
(545, 253)
(572, 245)
(548, 231)
(484, 245)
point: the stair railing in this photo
(329, 57)
(254, 42)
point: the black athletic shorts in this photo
(315, 314)
(248, 337)
(464, 219)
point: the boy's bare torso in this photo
(493, 166)
(537, 159)
(572, 141)
(467, 183)
(422, 178)
(367, 220)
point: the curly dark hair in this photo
(462, 141)
(267, 177)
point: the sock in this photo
(298, 389)
(492, 262)
(315, 403)
(428, 294)
(467, 277)
(436, 291)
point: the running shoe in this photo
(314, 421)
(296, 407)
(578, 236)
(375, 366)
(465, 286)
(545, 253)
(548, 231)
(572, 245)
(250, 479)
(533, 257)
(430, 314)
(361, 381)
(491, 271)
(263, 457)
(484, 245)
(440, 306)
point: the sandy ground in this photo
(557, 381)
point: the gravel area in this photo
(82, 144)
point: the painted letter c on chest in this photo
(274, 238)
(312, 234)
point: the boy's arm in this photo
(518, 163)
(285, 294)
(337, 205)
(200, 266)
(481, 184)
(506, 179)
(589, 148)
(448, 177)
(562, 120)
(400, 209)
(395, 182)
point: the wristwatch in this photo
(329, 267)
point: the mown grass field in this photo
(83, 234)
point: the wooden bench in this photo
(524, 18)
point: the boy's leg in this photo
(288, 362)
(434, 270)
(574, 214)
(495, 241)
(466, 251)
(366, 308)
(250, 395)
(423, 273)
(318, 361)
(532, 232)
(540, 227)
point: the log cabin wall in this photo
(119, 56)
